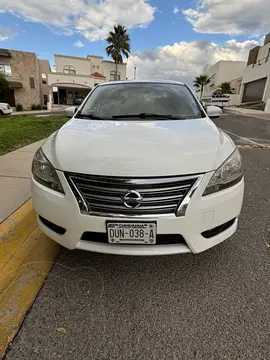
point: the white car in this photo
(5, 109)
(140, 169)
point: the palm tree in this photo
(201, 81)
(119, 41)
(225, 88)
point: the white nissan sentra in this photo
(140, 169)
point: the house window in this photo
(32, 81)
(94, 66)
(45, 99)
(44, 78)
(97, 67)
(5, 70)
(112, 75)
(69, 69)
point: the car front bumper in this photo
(202, 214)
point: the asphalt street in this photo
(210, 306)
(245, 130)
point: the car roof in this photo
(142, 82)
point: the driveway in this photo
(210, 306)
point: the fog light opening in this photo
(218, 229)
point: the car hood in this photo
(138, 148)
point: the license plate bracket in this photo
(132, 233)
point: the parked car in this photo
(78, 100)
(5, 109)
(140, 169)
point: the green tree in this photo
(4, 88)
(119, 45)
(225, 88)
(201, 81)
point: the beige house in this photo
(76, 76)
(256, 83)
(224, 71)
(21, 70)
(27, 76)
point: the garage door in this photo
(254, 90)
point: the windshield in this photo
(141, 100)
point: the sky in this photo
(170, 39)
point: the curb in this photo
(26, 258)
(253, 146)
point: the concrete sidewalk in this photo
(248, 112)
(15, 175)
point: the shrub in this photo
(36, 107)
(44, 107)
(19, 107)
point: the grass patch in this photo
(18, 131)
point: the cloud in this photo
(184, 60)
(7, 33)
(79, 44)
(93, 18)
(176, 10)
(230, 17)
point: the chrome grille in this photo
(103, 195)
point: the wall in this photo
(225, 71)
(263, 52)
(236, 85)
(259, 70)
(230, 70)
(96, 63)
(266, 95)
(23, 64)
(44, 67)
(255, 73)
(211, 70)
(109, 66)
(54, 78)
(82, 65)
(234, 100)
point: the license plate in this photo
(131, 232)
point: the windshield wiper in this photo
(88, 116)
(145, 115)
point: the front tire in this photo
(1, 113)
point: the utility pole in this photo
(135, 70)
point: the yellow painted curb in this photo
(26, 258)
(253, 146)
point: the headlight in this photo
(44, 173)
(228, 174)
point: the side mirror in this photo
(213, 111)
(70, 111)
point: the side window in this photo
(44, 78)
(32, 81)
(45, 99)
(69, 69)
(5, 70)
